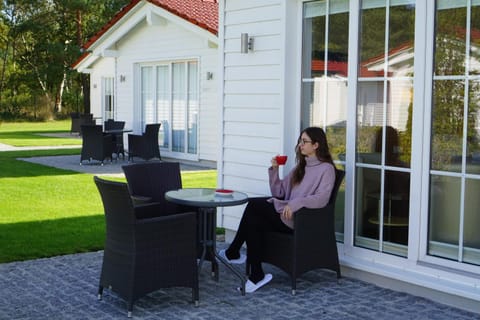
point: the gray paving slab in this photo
(65, 287)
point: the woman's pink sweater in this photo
(312, 192)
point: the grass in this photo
(46, 211)
(26, 134)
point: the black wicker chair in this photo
(312, 244)
(145, 146)
(80, 119)
(148, 182)
(144, 254)
(117, 138)
(95, 144)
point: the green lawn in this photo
(46, 211)
(21, 134)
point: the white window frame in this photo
(168, 152)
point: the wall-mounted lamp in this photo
(122, 78)
(246, 43)
(209, 75)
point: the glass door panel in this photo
(192, 109)
(163, 104)
(455, 134)
(384, 128)
(324, 81)
(178, 107)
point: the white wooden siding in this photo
(103, 68)
(253, 106)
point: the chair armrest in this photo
(134, 137)
(138, 200)
(148, 210)
(153, 210)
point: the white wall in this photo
(103, 68)
(260, 100)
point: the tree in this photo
(40, 40)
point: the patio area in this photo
(65, 287)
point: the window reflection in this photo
(398, 60)
(450, 38)
(455, 134)
(324, 79)
(384, 127)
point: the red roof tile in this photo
(203, 13)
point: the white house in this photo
(394, 83)
(156, 62)
(410, 224)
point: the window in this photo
(380, 135)
(455, 134)
(324, 79)
(383, 128)
(108, 94)
(169, 95)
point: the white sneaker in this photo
(240, 260)
(252, 287)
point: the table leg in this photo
(208, 237)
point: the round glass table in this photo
(206, 201)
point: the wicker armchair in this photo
(145, 254)
(148, 182)
(95, 144)
(80, 119)
(145, 146)
(312, 244)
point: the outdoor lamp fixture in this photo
(246, 43)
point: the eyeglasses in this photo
(304, 141)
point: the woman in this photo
(308, 185)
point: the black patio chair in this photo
(148, 182)
(312, 245)
(95, 144)
(75, 125)
(144, 254)
(145, 146)
(78, 120)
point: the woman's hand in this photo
(274, 162)
(287, 212)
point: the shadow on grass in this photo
(13, 168)
(41, 239)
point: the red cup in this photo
(281, 160)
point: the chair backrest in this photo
(153, 179)
(91, 133)
(108, 125)
(118, 209)
(118, 124)
(339, 174)
(111, 124)
(151, 130)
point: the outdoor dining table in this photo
(117, 136)
(207, 200)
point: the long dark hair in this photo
(317, 135)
